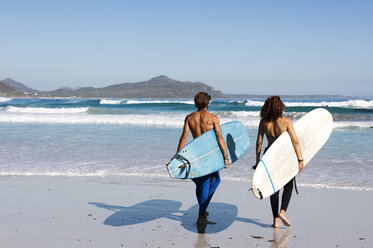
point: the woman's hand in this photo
(301, 165)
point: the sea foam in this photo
(32, 110)
(111, 101)
(158, 101)
(339, 104)
(5, 99)
(81, 116)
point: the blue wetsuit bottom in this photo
(205, 189)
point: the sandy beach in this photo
(160, 212)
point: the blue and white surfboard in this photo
(203, 156)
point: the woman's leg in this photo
(286, 195)
(288, 189)
(274, 204)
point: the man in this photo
(198, 123)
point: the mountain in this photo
(19, 86)
(6, 90)
(158, 87)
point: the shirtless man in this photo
(198, 123)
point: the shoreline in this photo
(246, 180)
(130, 211)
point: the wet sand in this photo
(160, 212)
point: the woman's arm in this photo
(259, 141)
(296, 145)
(221, 142)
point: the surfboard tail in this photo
(257, 193)
(168, 170)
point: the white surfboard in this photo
(280, 163)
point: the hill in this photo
(8, 91)
(158, 87)
(19, 86)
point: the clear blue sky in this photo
(259, 47)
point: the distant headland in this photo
(157, 87)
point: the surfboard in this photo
(203, 156)
(280, 163)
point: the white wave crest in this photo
(80, 116)
(339, 104)
(244, 113)
(353, 124)
(161, 119)
(110, 101)
(138, 120)
(254, 103)
(5, 99)
(157, 101)
(31, 110)
(99, 173)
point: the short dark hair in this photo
(202, 100)
(272, 108)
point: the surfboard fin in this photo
(260, 194)
(295, 186)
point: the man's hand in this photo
(226, 161)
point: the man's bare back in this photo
(200, 122)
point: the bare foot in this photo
(206, 214)
(204, 220)
(276, 223)
(282, 216)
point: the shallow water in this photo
(98, 137)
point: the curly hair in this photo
(201, 100)
(272, 108)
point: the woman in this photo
(273, 124)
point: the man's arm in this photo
(184, 136)
(221, 142)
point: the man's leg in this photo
(214, 183)
(202, 190)
(206, 187)
(198, 183)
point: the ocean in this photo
(104, 137)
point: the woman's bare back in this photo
(273, 129)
